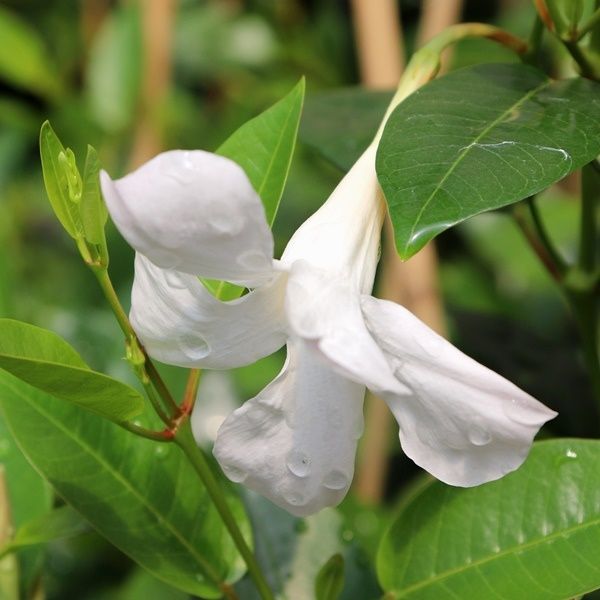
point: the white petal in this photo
(295, 442)
(179, 322)
(343, 235)
(195, 212)
(323, 308)
(462, 422)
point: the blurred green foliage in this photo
(81, 65)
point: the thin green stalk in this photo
(158, 436)
(535, 42)
(538, 240)
(589, 24)
(585, 309)
(123, 321)
(590, 208)
(191, 390)
(588, 70)
(541, 231)
(185, 440)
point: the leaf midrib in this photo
(467, 149)
(499, 555)
(143, 500)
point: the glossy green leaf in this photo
(46, 361)
(264, 147)
(142, 496)
(533, 535)
(330, 579)
(55, 181)
(114, 70)
(24, 61)
(340, 125)
(478, 139)
(60, 523)
(93, 209)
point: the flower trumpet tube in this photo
(190, 214)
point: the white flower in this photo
(191, 214)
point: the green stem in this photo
(541, 231)
(585, 308)
(123, 321)
(535, 234)
(535, 42)
(191, 390)
(588, 70)
(590, 206)
(589, 24)
(185, 440)
(157, 436)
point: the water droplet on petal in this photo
(164, 259)
(253, 260)
(519, 411)
(336, 480)
(298, 463)
(175, 279)
(194, 347)
(294, 498)
(225, 224)
(478, 436)
(234, 474)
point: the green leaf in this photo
(24, 61)
(330, 579)
(143, 497)
(533, 535)
(46, 361)
(478, 139)
(60, 523)
(55, 181)
(114, 70)
(93, 209)
(30, 497)
(341, 124)
(264, 147)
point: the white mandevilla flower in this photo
(191, 214)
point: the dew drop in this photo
(194, 347)
(347, 535)
(570, 453)
(234, 474)
(298, 463)
(175, 279)
(519, 412)
(294, 498)
(478, 436)
(253, 259)
(225, 224)
(161, 451)
(335, 480)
